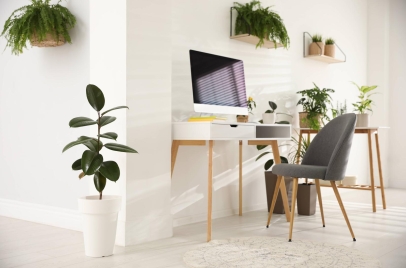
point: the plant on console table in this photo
(363, 105)
(314, 102)
(251, 105)
(44, 25)
(269, 117)
(100, 214)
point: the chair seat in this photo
(300, 171)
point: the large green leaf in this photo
(110, 170)
(106, 120)
(81, 122)
(109, 135)
(284, 160)
(91, 162)
(99, 181)
(115, 108)
(92, 145)
(77, 165)
(95, 97)
(260, 147)
(261, 155)
(268, 164)
(119, 148)
(80, 140)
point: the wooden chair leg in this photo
(275, 196)
(340, 202)
(292, 209)
(320, 201)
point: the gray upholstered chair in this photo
(326, 159)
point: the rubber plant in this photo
(35, 22)
(315, 102)
(262, 22)
(92, 162)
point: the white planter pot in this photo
(362, 120)
(268, 118)
(99, 223)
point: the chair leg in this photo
(340, 202)
(292, 209)
(275, 196)
(320, 201)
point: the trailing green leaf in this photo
(81, 122)
(119, 148)
(115, 108)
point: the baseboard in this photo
(54, 216)
(202, 217)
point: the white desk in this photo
(197, 133)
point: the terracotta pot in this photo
(362, 120)
(330, 50)
(49, 41)
(314, 48)
(242, 118)
(303, 122)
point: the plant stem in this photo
(98, 142)
(100, 195)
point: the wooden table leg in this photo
(378, 153)
(240, 178)
(174, 153)
(282, 188)
(298, 147)
(371, 170)
(209, 190)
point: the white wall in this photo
(40, 91)
(270, 75)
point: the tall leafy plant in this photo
(365, 102)
(92, 162)
(36, 21)
(315, 102)
(261, 22)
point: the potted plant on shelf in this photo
(251, 105)
(44, 25)
(330, 49)
(314, 102)
(363, 105)
(99, 212)
(317, 45)
(261, 22)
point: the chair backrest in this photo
(331, 146)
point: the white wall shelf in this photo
(321, 57)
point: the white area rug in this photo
(261, 252)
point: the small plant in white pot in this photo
(363, 105)
(269, 117)
(99, 212)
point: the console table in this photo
(198, 133)
(368, 131)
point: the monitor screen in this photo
(218, 84)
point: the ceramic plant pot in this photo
(270, 183)
(330, 50)
(306, 199)
(316, 48)
(362, 120)
(268, 118)
(99, 223)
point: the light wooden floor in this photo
(381, 234)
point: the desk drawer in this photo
(232, 131)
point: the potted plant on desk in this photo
(251, 105)
(363, 105)
(99, 212)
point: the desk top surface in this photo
(377, 127)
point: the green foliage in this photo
(330, 41)
(317, 38)
(37, 19)
(340, 109)
(261, 22)
(365, 103)
(91, 161)
(295, 155)
(251, 104)
(273, 107)
(315, 101)
(268, 164)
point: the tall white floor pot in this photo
(99, 223)
(362, 120)
(268, 118)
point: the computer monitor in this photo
(218, 84)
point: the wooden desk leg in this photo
(298, 147)
(282, 188)
(175, 147)
(240, 178)
(378, 153)
(210, 190)
(371, 170)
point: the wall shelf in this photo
(321, 57)
(248, 38)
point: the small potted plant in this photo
(269, 117)
(363, 105)
(251, 105)
(330, 49)
(99, 212)
(314, 102)
(261, 22)
(44, 25)
(339, 110)
(317, 45)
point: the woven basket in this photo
(49, 41)
(303, 122)
(242, 118)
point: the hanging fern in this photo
(37, 20)
(262, 22)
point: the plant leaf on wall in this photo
(119, 148)
(110, 170)
(81, 122)
(91, 162)
(115, 108)
(107, 120)
(109, 135)
(99, 182)
(95, 97)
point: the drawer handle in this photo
(233, 125)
